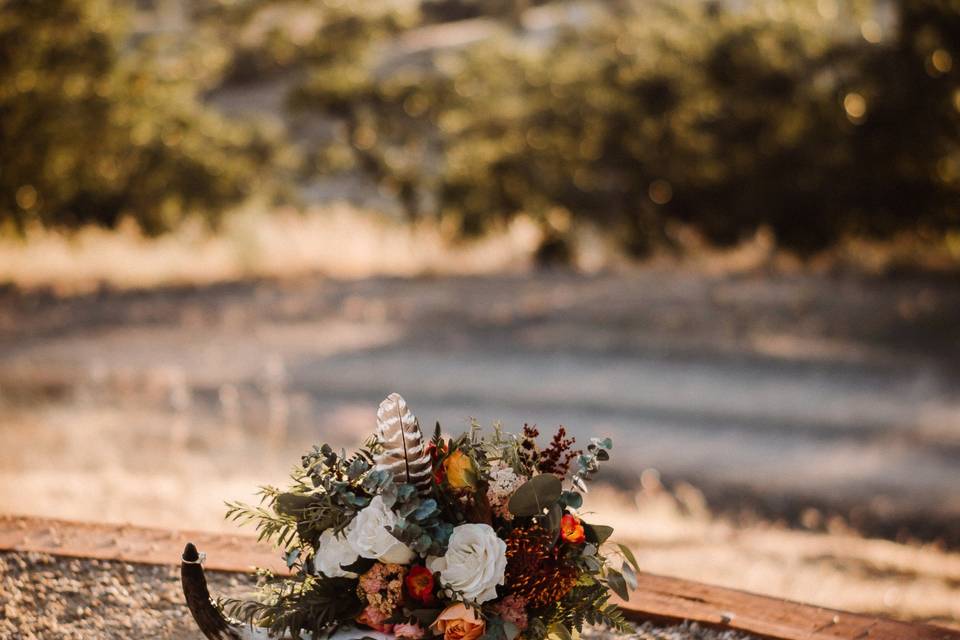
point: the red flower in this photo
(439, 474)
(436, 453)
(571, 529)
(419, 583)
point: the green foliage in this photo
(597, 533)
(270, 522)
(96, 126)
(421, 526)
(585, 604)
(588, 464)
(326, 492)
(535, 495)
(650, 115)
(295, 606)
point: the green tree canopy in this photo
(93, 128)
(636, 116)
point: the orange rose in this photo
(571, 529)
(420, 583)
(457, 622)
(459, 470)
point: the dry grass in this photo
(338, 241)
(673, 533)
(344, 242)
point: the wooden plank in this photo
(665, 599)
(128, 543)
(657, 598)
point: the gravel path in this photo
(50, 597)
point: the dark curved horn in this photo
(209, 618)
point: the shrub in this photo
(95, 126)
(645, 115)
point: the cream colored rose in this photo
(333, 551)
(369, 537)
(474, 562)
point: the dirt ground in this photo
(53, 597)
(802, 408)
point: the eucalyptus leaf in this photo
(510, 630)
(553, 518)
(618, 584)
(426, 509)
(572, 499)
(356, 468)
(597, 533)
(628, 554)
(291, 504)
(424, 542)
(389, 495)
(629, 575)
(535, 495)
(580, 484)
(407, 508)
(355, 500)
(291, 558)
(375, 480)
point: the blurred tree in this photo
(808, 120)
(93, 128)
(449, 10)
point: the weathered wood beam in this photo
(673, 600)
(128, 543)
(657, 598)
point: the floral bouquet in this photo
(474, 537)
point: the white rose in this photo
(369, 537)
(333, 551)
(474, 563)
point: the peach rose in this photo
(457, 622)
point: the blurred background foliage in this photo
(819, 120)
(97, 124)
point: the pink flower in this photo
(513, 609)
(411, 631)
(382, 587)
(375, 619)
(371, 584)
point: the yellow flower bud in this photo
(459, 470)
